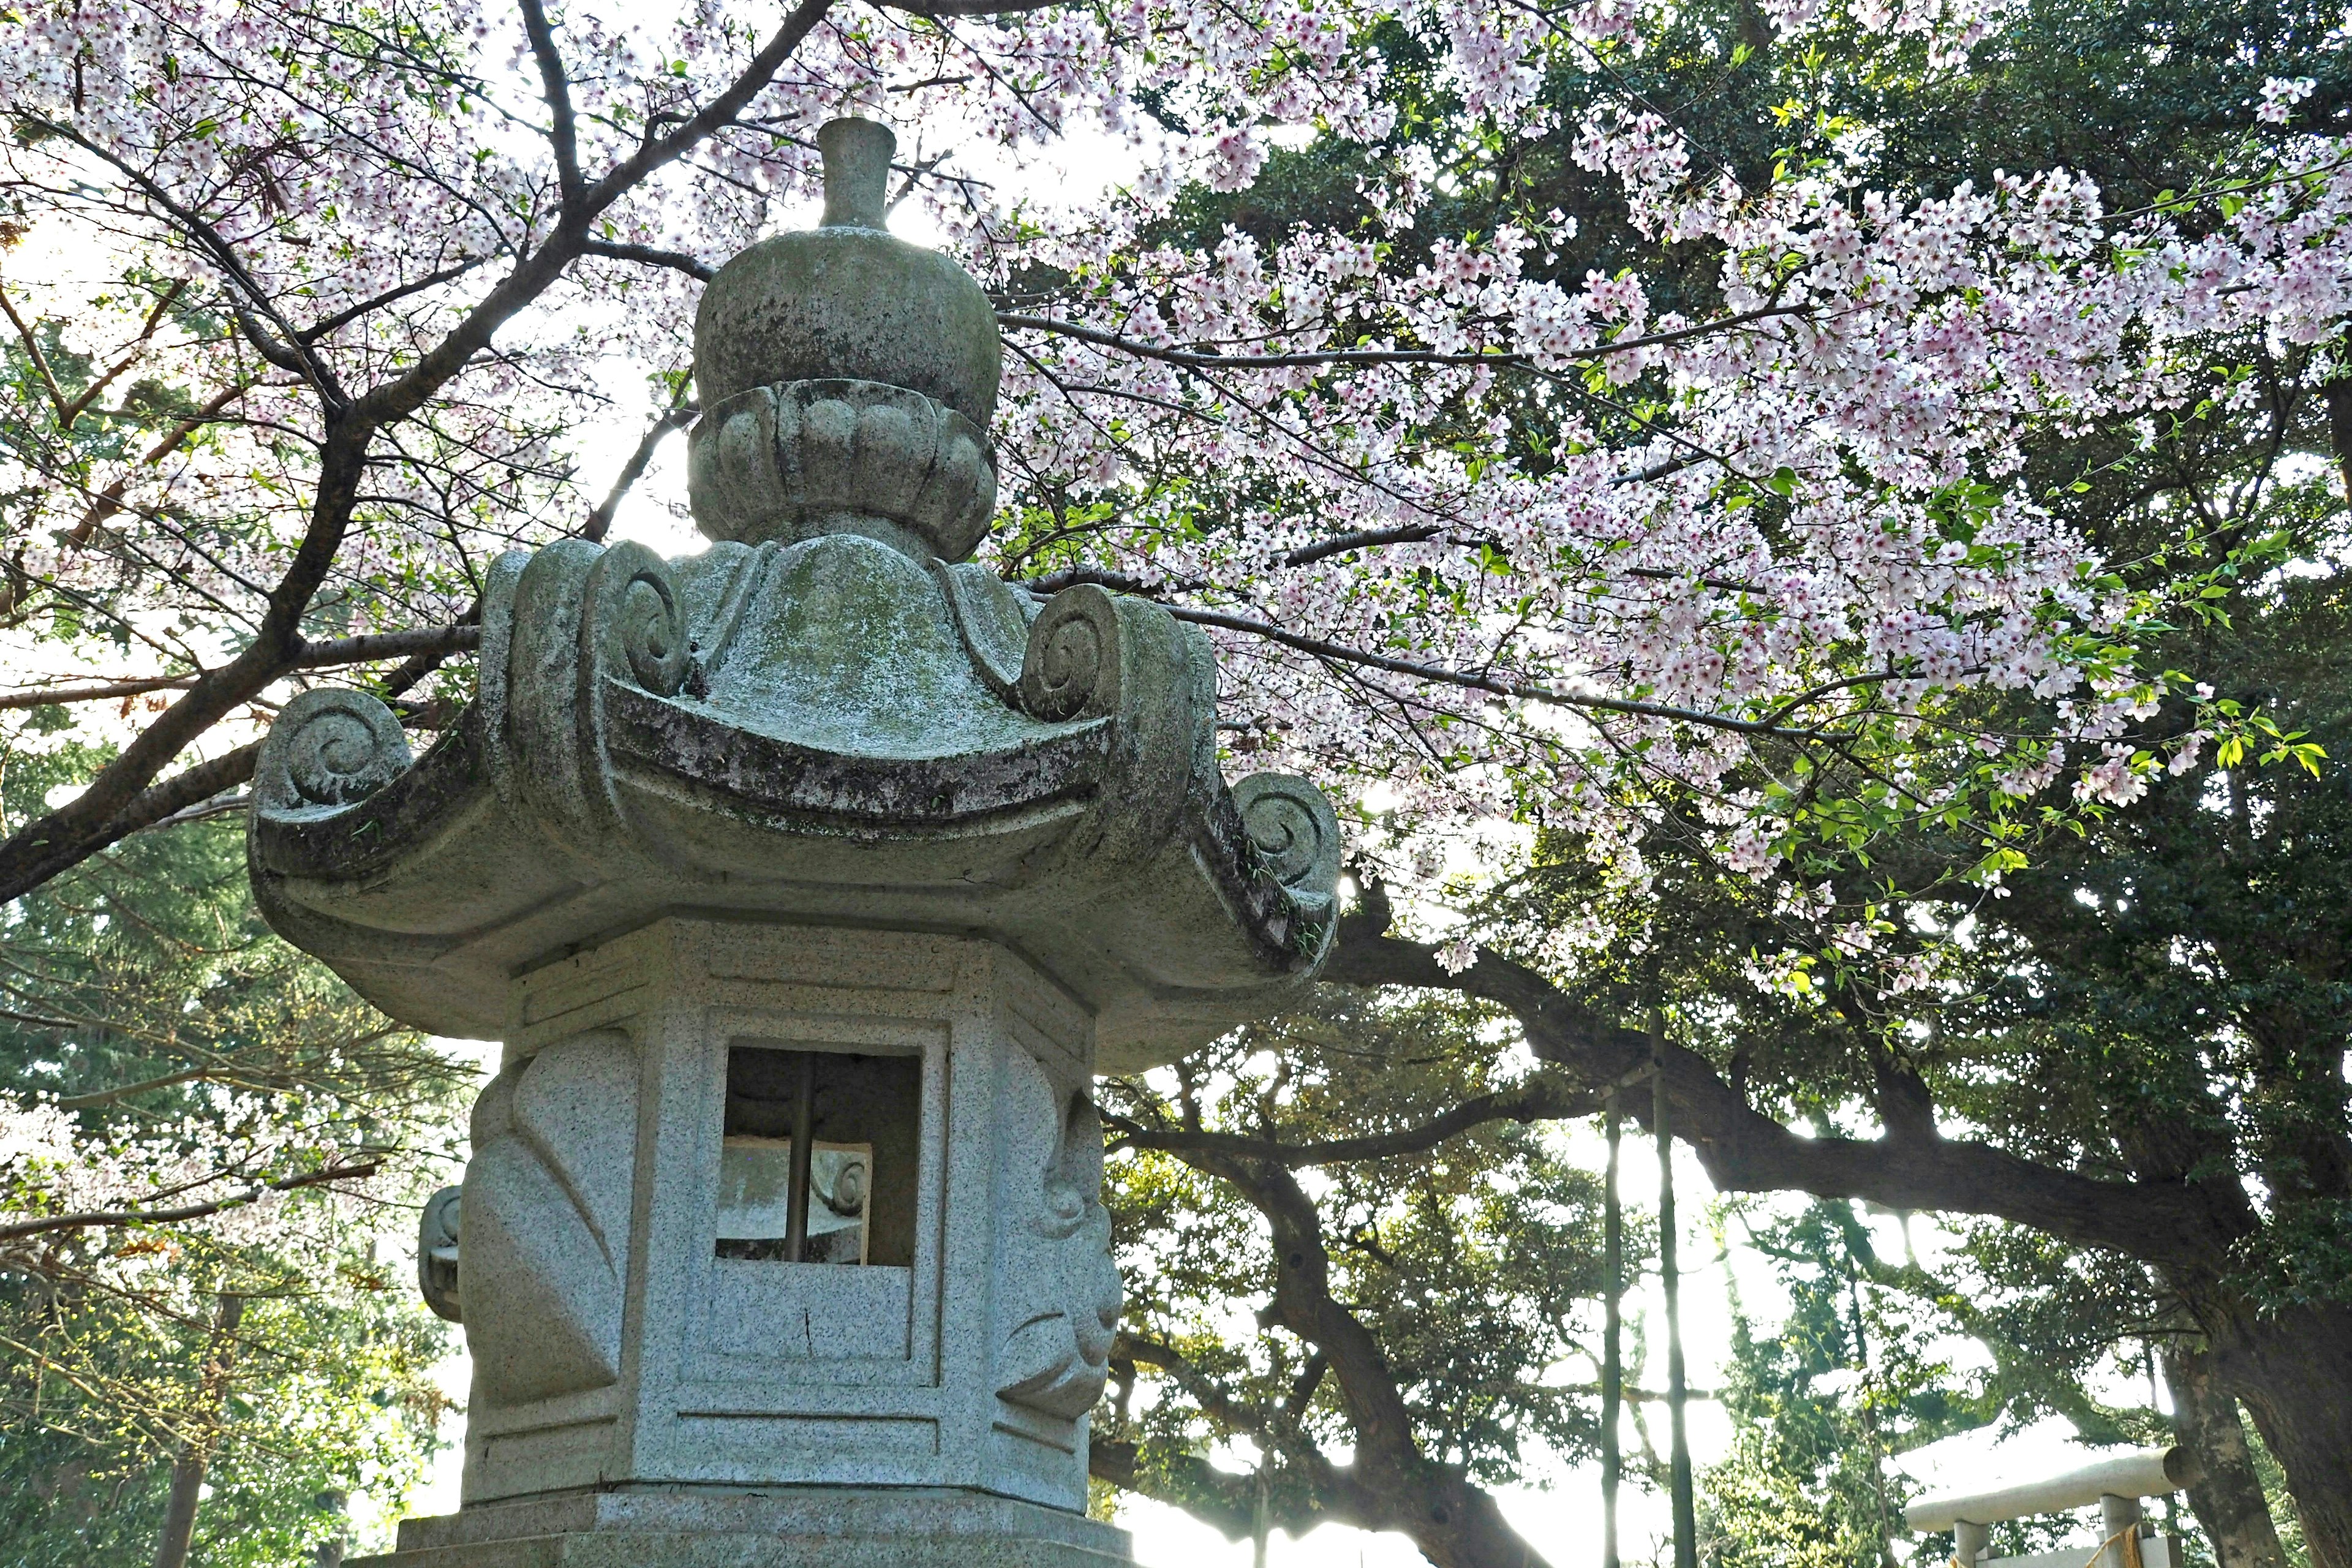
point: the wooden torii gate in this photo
(2116, 1484)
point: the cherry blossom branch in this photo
(562, 135)
(190, 789)
(367, 650)
(328, 326)
(1446, 1515)
(1209, 359)
(115, 802)
(1876, 677)
(103, 1097)
(288, 351)
(943, 10)
(115, 1218)
(650, 256)
(1495, 685)
(94, 692)
(1421, 532)
(601, 520)
(107, 503)
(220, 804)
(2192, 199)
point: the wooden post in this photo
(1258, 1516)
(796, 1180)
(188, 1468)
(1612, 1353)
(1685, 1506)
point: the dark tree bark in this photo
(2229, 1501)
(1392, 1485)
(2293, 1372)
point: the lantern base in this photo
(796, 1526)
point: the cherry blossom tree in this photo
(313, 303)
(353, 276)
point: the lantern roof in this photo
(829, 716)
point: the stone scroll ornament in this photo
(439, 1231)
(1296, 835)
(329, 750)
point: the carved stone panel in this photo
(547, 1220)
(1061, 1296)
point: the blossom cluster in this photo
(1563, 542)
(235, 1172)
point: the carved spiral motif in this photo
(1292, 826)
(438, 1238)
(653, 633)
(1072, 666)
(337, 747)
(635, 616)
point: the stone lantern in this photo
(807, 880)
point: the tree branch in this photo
(1453, 1522)
(652, 256)
(1523, 689)
(437, 640)
(1339, 654)
(1209, 360)
(327, 326)
(1225, 1501)
(555, 87)
(1743, 1150)
(1540, 1099)
(109, 1218)
(97, 818)
(600, 520)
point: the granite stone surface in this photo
(807, 881)
(802, 1528)
(614, 1344)
(824, 730)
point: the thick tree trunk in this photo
(2293, 1372)
(2228, 1502)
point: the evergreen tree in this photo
(209, 1154)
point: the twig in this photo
(1211, 360)
(368, 649)
(95, 1218)
(652, 256)
(1524, 690)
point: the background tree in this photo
(1873, 1360)
(2065, 1057)
(1423, 1263)
(209, 1156)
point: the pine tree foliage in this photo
(162, 1052)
